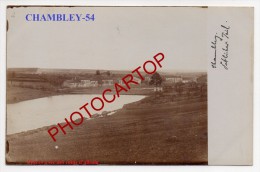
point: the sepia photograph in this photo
(106, 85)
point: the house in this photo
(107, 82)
(87, 83)
(70, 84)
(93, 83)
(84, 84)
(175, 79)
(158, 89)
(81, 84)
(188, 79)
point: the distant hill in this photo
(47, 70)
(93, 71)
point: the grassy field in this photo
(155, 130)
(18, 94)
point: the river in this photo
(37, 113)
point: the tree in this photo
(99, 80)
(156, 79)
(97, 72)
(108, 73)
(54, 80)
(11, 76)
(179, 87)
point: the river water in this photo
(37, 113)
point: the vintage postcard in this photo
(92, 85)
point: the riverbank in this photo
(19, 94)
(155, 130)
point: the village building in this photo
(175, 79)
(188, 79)
(94, 83)
(70, 84)
(84, 83)
(158, 89)
(107, 82)
(81, 84)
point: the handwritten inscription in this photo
(220, 45)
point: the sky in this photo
(120, 38)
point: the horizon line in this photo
(161, 70)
